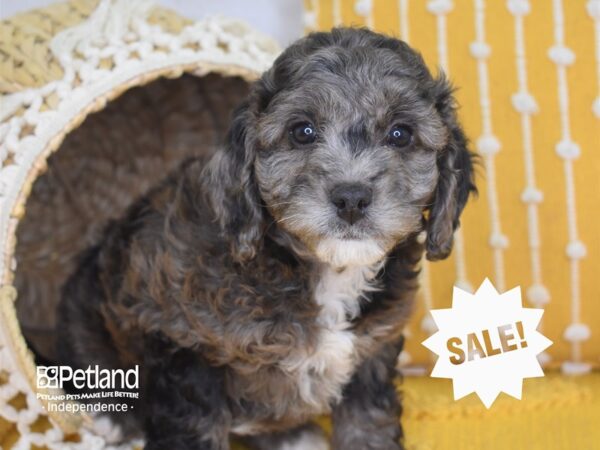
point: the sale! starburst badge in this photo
(487, 343)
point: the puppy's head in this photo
(351, 146)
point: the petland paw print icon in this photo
(47, 377)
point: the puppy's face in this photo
(347, 158)
(347, 141)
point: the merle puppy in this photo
(271, 283)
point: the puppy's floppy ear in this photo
(455, 182)
(234, 194)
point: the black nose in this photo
(351, 201)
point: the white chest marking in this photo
(322, 371)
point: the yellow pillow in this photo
(528, 87)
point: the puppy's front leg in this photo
(184, 402)
(368, 417)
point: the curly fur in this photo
(249, 305)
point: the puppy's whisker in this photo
(286, 218)
(280, 203)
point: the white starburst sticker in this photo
(487, 343)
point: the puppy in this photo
(271, 283)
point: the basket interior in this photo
(113, 157)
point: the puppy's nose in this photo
(351, 201)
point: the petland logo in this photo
(91, 378)
(102, 390)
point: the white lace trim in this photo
(110, 35)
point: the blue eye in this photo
(303, 133)
(400, 136)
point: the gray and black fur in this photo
(221, 281)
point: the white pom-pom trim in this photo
(524, 103)
(404, 359)
(544, 358)
(488, 145)
(532, 195)
(561, 55)
(498, 240)
(310, 19)
(428, 325)
(568, 150)
(519, 7)
(440, 6)
(576, 250)
(575, 368)
(363, 7)
(538, 295)
(596, 107)
(577, 332)
(593, 9)
(480, 50)
(465, 286)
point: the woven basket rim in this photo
(232, 48)
(69, 422)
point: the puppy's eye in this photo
(400, 136)
(303, 133)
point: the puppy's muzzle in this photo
(351, 201)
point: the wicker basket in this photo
(155, 88)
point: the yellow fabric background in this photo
(585, 127)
